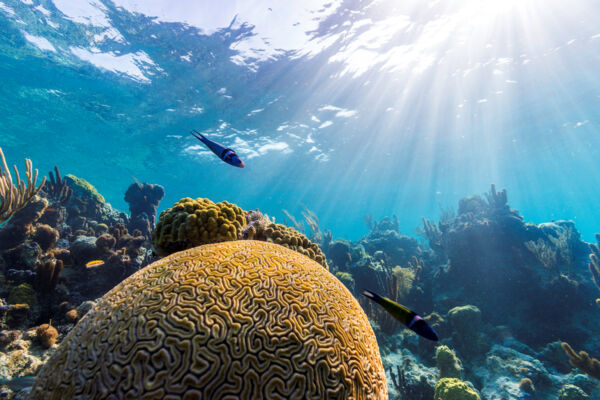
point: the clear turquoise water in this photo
(346, 107)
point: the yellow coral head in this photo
(241, 319)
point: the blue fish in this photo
(412, 320)
(224, 153)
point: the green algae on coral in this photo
(448, 363)
(572, 392)
(466, 327)
(454, 389)
(347, 279)
(22, 294)
(83, 188)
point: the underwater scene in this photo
(339, 199)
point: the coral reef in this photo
(190, 317)
(143, 200)
(190, 223)
(514, 276)
(385, 236)
(339, 254)
(500, 263)
(411, 385)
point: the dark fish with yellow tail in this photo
(411, 319)
(224, 153)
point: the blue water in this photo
(347, 107)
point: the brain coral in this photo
(190, 223)
(241, 319)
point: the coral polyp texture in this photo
(242, 319)
(191, 223)
(259, 227)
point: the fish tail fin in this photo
(197, 135)
(373, 296)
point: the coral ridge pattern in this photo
(241, 319)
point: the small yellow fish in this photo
(94, 263)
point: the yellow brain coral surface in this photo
(190, 223)
(242, 319)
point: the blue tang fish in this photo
(224, 153)
(411, 319)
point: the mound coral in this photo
(82, 188)
(454, 389)
(339, 253)
(466, 326)
(526, 385)
(47, 335)
(242, 319)
(46, 236)
(71, 315)
(572, 392)
(260, 227)
(448, 363)
(144, 198)
(17, 315)
(190, 223)
(403, 282)
(22, 294)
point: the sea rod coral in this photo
(15, 195)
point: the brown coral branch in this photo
(298, 225)
(15, 197)
(433, 234)
(595, 261)
(47, 275)
(313, 223)
(57, 188)
(583, 361)
(497, 200)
